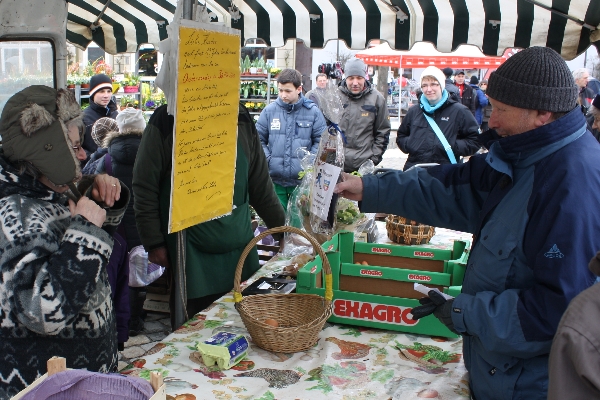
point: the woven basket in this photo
(404, 231)
(300, 316)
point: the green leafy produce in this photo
(348, 213)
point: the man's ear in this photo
(543, 117)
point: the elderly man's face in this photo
(459, 79)
(583, 81)
(508, 120)
(322, 82)
(355, 83)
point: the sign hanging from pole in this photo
(206, 114)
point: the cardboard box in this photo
(381, 294)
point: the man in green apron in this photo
(211, 249)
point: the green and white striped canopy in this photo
(567, 26)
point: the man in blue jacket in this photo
(481, 101)
(533, 230)
(290, 122)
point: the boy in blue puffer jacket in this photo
(292, 121)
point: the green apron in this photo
(213, 248)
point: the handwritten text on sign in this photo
(205, 126)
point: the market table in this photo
(348, 362)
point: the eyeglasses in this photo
(431, 85)
(76, 149)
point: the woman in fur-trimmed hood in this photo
(54, 244)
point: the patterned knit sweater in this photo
(54, 290)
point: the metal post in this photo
(187, 9)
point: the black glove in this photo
(437, 305)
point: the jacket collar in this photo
(291, 107)
(104, 111)
(529, 147)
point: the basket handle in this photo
(237, 294)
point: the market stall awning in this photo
(424, 54)
(567, 26)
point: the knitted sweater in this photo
(55, 298)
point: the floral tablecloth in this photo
(348, 362)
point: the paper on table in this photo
(425, 290)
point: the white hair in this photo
(579, 72)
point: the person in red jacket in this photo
(467, 94)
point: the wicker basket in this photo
(404, 231)
(300, 316)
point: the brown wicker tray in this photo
(300, 316)
(404, 231)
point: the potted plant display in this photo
(130, 83)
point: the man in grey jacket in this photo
(365, 121)
(291, 122)
(574, 357)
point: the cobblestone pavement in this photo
(158, 325)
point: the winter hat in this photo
(98, 82)
(536, 78)
(355, 67)
(448, 72)
(474, 80)
(596, 101)
(102, 127)
(483, 81)
(34, 129)
(459, 72)
(436, 73)
(131, 119)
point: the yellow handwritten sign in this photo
(204, 148)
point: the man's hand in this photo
(437, 305)
(89, 210)
(351, 187)
(106, 189)
(159, 256)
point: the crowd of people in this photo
(81, 190)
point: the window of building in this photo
(24, 63)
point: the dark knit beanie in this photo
(448, 72)
(536, 78)
(98, 82)
(474, 80)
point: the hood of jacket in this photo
(123, 147)
(344, 89)
(24, 185)
(302, 102)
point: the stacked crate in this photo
(373, 284)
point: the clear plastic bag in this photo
(141, 271)
(298, 208)
(331, 153)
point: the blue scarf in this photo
(428, 108)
